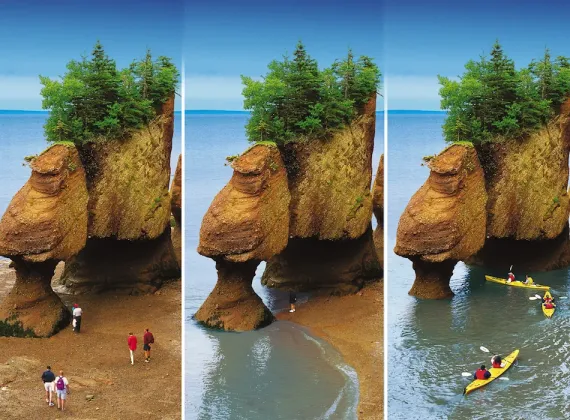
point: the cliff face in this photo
(527, 184)
(378, 208)
(176, 209)
(45, 222)
(247, 222)
(129, 213)
(128, 181)
(330, 194)
(249, 218)
(444, 221)
(331, 212)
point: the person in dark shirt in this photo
(497, 361)
(48, 378)
(148, 339)
(292, 301)
(482, 373)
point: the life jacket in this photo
(511, 277)
(548, 305)
(480, 374)
(496, 364)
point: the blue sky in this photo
(40, 37)
(427, 38)
(242, 37)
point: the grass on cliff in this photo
(96, 100)
(493, 100)
(296, 100)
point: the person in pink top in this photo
(132, 342)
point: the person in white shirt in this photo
(77, 312)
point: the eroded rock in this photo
(444, 221)
(176, 209)
(128, 181)
(378, 209)
(233, 305)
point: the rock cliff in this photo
(378, 208)
(129, 212)
(445, 220)
(46, 222)
(331, 212)
(176, 209)
(247, 222)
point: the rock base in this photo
(32, 302)
(133, 267)
(233, 305)
(432, 279)
(331, 267)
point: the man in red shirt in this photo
(132, 342)
(148, 339)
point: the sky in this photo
(241, 37)
(427, 38)
(40, 37)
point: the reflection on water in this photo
(430, 343)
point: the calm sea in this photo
(278, 372)
(430, 343)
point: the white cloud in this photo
(20, 92)
(412, 92)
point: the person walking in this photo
(292, 301)
(132, 342)
(62, 389)
(77, 312)
(148, 339)
(48, 378)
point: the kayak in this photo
(548, 312)
(517, 283)
(495, 373)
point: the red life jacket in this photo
(548, 305)
(511, 277)
(496, 364)
(480, 374)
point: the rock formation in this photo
(331, 247)
(129, 212)
(378, 208)
(176, 209)
(46, 222)
(247, 222)
(445, 220)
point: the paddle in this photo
(466, 374)
(534, 298)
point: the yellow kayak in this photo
(548, 312)
(495, 373)
(517, 283)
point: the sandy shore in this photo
(97, 362)
(353, 324)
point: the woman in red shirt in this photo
(132, 342)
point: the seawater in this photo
(430, 343)
(278, 372)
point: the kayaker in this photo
(496, 361)
(511, 277)
(549, 305)
(547, 299)
(529, 280)
(482, 373)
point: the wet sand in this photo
(354, 325)
(96, 361)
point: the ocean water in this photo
(21, 135)
(278, 372)
(430, 343)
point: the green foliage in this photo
(95, 100)
(12, 327)
(297, 101)
(494, 100)
(231, 158)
